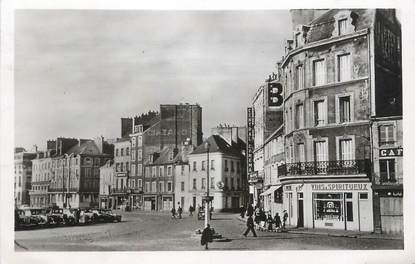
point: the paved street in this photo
(157, 231)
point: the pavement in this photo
(333, 233)
(157, 231)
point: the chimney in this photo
(234, 135)
(99, 141)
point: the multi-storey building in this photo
(42, 170)
(332, 87)
(75, 176)
(22, 176)
(122, 181)
(106, 184)
(273, 157)
(226, 169)
(266, 115)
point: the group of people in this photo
(259, 218)
(178, 212)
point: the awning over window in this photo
(271, 190)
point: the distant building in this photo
(122, 161)
(22, 176)
(106, 184)
(226, 168)
(42, 170)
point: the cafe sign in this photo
(392, 152)
(340, 187)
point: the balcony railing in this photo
(335, 167)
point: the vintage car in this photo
(99, 217)
(86, 216)
(21, 220)
(39, 214)
(110, 216)
(56, 216)
(68, 216)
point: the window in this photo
(127, 166)
(139, 154)
(344, 109)
(328, 206)
(319, 72)
(154, 171)
(140, 183)
(153, 187)
(133, 172)
(203, 183)
(346, 149)
(226, 183)
(319, 113)
(182, 170)
(169, 186)
(139, 141)
(161, 172)
(387, 170)
(194, 165)
(226, 165)
(139, 169)
(232, 183)
(343, 68)
(133, 140)
(122, 152)
(147, 172)
(320, 151)
(133, 155)
(299, 116)
(171, 155)
(363, 196)
(238, 168)
(232, 166)
(301, 152)
(212, 165)
(194, 184)
(182, 186)
(386, 135)
(161, 186)
(122, 184)
(299, 77)
(203, 165)
(238, 184)
(169, 171)
(212, 182)
(127, 151)
(116, 152)
(147, 187)
(117, 167)
(297, 39)
(342, 26)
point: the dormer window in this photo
(171, 156)
(297, 39)
(150, 158)
(345, 22)
(342, 26)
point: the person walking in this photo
(173, 213)
(250, 210)
(190, 210)
(277, 221)
(180, 211)
(269, 221)
(206, 236)
(284, 219)
(250, 226)
(242, 211)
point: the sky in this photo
(77, 72)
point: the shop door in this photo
(365, 213)
(290, 208)
(153, 205)
(391, 213)
(235, 202)
(300, 222)
(147, 205)
(167, 204)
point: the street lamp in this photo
(207, 145)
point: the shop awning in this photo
(271, 190)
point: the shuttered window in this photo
(342, 26)
(344, 109)
(299, 116)
(387, 170)
(320, 150)
(300, 77)
(386, 135)
(346, 149)
(319, 72)
(319, 113)
(301, 152)
(344, 71)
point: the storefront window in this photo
(327, 206)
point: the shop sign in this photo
(275, 98)
(287, 187)
(340, 187)
(250, 140)
(392, 152)
(389, 193)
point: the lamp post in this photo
(207, 145)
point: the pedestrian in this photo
(190, 210)
(284, 219)
(262, 217)
(269, 221)
(173, 213)
(257, 216)
(179, 211)
(250, 210)
(277, 221)
(242, 211)
(250, 226)
(210, 212)
(206, 236)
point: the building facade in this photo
(328, 74)
(122, 182)
(22, 176)
(226, 169)
(106, 184)
(42, 168)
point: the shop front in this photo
(150, 203)
(339, 205)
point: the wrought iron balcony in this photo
(335, 167)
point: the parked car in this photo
(68, 216)
(110, 216)
(86, 216)
(24, 221)
(56, 215)
(99, 217)
(39, 214)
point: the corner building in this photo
(330, 90)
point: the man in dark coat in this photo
(206, 236)
(250, 210)
(269, 221)
(284, 219)
(242, 211)
(277, 221)
(250, 226)
(173, 213)
(180, 211)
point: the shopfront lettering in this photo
(339, 187)
(392, 152)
